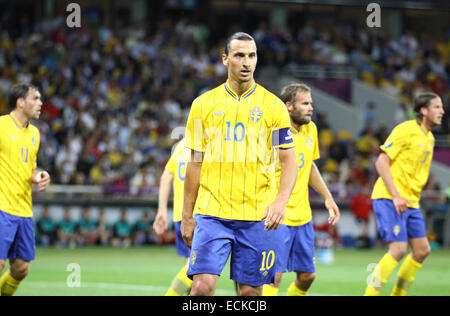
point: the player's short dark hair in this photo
(18, 91)
(289, 92)
(241, 36)
(423, 101)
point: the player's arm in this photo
(41, 178)
(275, 212)
(316, 181)
(191, 186)
(160, 224)
(383, 168)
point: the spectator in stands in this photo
(361, 206)
(143, 233)
(103, 230)
(46, 229)
(87, 228)
(121, 231)
(67, 230)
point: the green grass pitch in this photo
(149, 271)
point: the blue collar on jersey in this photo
(245, 95)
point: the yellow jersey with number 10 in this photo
(237, 136)
(18, 154)
(410, 149)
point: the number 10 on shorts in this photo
(268, 260)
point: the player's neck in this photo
(426, 124)
(240, 87)
(23, 120)
(297, 127)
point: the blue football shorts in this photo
(182, 249)
(252, 249)
(296, 248)
(393, 227)
(16, 237)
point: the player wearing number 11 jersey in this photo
(19, 145)
(233, 132)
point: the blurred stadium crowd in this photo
(89, 231)
(115, 100)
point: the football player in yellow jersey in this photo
(404, 166)
(296, 235)
(233, 131)
(175, 171)
(19, 145)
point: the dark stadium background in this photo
(117, 91)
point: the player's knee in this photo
(308, 277)
(250, 291)
(421, 253)
(398, 252)
(20, 272)
(202, 288)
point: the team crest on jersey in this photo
(34, 141)
(193, 257)
(396, 230)
(309, 142)
(255, 114)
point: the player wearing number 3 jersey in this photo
(296, 235)
(233, 132)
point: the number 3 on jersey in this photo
(301, 158)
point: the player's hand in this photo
(274, 215)
(187, 230)
(160, 225)
(42, 180)
(401, 204)
(333, 210)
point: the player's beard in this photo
(302, 120)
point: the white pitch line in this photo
(112, 286)
(135, 287)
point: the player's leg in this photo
(301, 284)
(420, 249)
(10, 281)
(392, 229)
(181, 284)
(211, 247)
(253, 257)
(204, 284)
(272, 289)
(302, 260)
(2, 266)
(249, 290)
(285, 242)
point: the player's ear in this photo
(424, 110)
(289, 106)
(225, 60)
(20, 103)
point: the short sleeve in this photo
(195, 139)
(316, 151)
(281, 134)
(397, 140)
(171, 165)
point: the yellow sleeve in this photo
(396, 142)
(172, 164)
(281, 134)
(38, 143)
(195, 127)
(316, 152)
